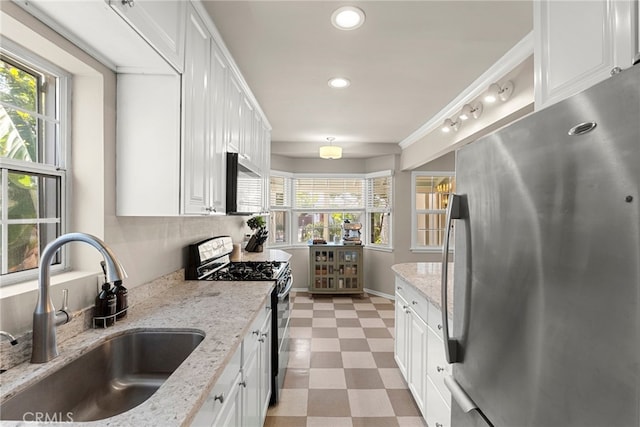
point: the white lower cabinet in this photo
(417, 361)
(438, 411)
(401, 341)
(231, 412)
(256, 369)
(419, 353)
(240, 398)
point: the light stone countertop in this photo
(222, 310)
(426, 278)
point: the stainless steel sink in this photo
(112, 378)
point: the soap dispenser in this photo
(122, 303)
(105, 308)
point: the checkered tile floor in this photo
(341, 369)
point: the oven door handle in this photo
(287, 289)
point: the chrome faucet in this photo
(10, 337)
(45, 318)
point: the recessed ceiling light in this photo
(347, 18)
(339, 82)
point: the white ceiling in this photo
(409, 60)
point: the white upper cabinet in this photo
(220, 128)
(160, 23)
(196, 119)
(182, 102)
(139, 43)
(234, 111)
(148, 145)
(580, 43)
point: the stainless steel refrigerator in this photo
(546, 218)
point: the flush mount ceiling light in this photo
(496, 92)
(347, 18)
(330, 151)
(469, 111)
(449, 125)
(339, 82)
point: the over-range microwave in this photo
(244, 187)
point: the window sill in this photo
(378, 248)
(429, 250)
(32, 285)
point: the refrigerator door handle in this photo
(450, 345)
(459, 395)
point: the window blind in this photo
(280, 191)
(329, 193)
(379, 191)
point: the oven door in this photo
(280, 354)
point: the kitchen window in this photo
(280, 208)
(33, 129)
(306, 207)
(379, 203)
(429, 206)
(323, 203)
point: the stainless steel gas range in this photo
(210, 260)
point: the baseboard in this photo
(380, 294)
(369, 291)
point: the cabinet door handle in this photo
(440, 369)
(438, 425)
(127, 3)
(256, 332)
(414, 302)
(243, 384)
(219, 397)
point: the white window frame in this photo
(286, 208)
(59, 169)
(295, 211)
(415, 247)
(371, 209)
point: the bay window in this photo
(379, 203)
(280, 208)
(306, 207)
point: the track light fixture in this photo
(449, 125)
(469, 111)
(496, 92)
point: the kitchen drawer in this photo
(415, 300)
(437, 366)
(220, 393)
(438, 413)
